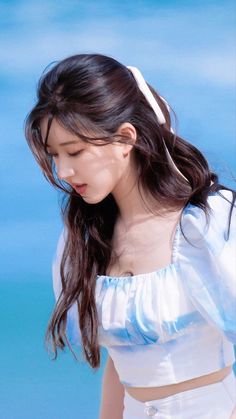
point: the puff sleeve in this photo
(56, 277)
(208, 264)
(72, 325)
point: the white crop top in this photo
(178, 322)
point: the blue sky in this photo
(185, 49)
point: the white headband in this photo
(152, 101)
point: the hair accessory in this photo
(147, 93)
(152, 101)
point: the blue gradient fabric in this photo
(178, 322)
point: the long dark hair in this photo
(92, 93)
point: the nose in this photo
(64, 172)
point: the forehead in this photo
(58, 135)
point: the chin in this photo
(93, 200)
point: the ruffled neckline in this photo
(176, 244)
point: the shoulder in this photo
(222, 206)
(216, 228)
(206, 260)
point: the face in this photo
(99, 168)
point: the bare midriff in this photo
(144, 394)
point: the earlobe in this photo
(127, 149)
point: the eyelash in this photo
(74, 154)
(70, 154)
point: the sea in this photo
(186, 50)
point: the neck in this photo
(131, 200)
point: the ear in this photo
(127, 130)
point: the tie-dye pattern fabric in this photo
(178, 322)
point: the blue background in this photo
(186, 50)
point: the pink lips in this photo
(80, 189)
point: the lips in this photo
(80, 188)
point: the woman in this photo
(144, 265)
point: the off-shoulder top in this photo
(178, 322)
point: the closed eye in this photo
(52, 155)
(76, 153)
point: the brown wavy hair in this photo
(91, 95)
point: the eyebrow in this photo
(65, 143)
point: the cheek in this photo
(102, 170)
(103, 164)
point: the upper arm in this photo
(208, 269)
(72, 323)
(56, 276)
(112, 393)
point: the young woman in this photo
(145, 265)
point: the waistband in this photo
(229, 383)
